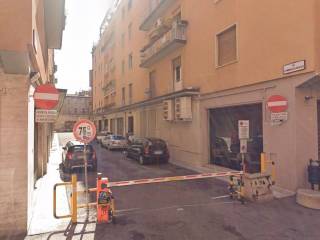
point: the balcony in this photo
(54, 22)
(170, 41)
(109, 88)
(155, 13)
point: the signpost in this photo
(46, 96)
(244, 135)
(85, 131)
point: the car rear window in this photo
(79, 148)
(118, 138)
(158, 143)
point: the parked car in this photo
(73, 155)
(102, 135)
(148, 150)
(114, 142)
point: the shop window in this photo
(227, 46)
(224, 139)
(106, 122)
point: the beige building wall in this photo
(24, 145)
(13, 122)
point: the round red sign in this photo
(84, 131)
(277, 103)
(46, 96)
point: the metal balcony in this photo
(169, 42)
(155, 13)
(109, 88)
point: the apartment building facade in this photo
(75, 106)
(30, 30)
(188, 71)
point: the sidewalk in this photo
(42, 217)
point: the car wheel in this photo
(141, 160)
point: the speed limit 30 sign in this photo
(84, 131)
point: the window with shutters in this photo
(226, 46)
(176, 65)
(130, 93)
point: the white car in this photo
(114, 142)
(102, 135)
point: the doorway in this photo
(224, 139)
(130, 125)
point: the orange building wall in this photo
(270, 34)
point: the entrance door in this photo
(224, 139)
(130, 125)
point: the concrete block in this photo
(308, 198)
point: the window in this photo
(130, 93)
(123, 67)
(129, 4)
(122, 39)
(130, 61)
(129, 31)
(123, 95)
(75, 111)
(227, 46)
(176, 66)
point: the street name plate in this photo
(46, 116)
(281, 116)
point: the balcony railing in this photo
(155, 13)
(109, 88)
(173, 39)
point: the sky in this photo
(82, 30)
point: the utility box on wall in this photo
(168, 110)
(183, 109)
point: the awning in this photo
(313, 82)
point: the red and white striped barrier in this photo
(177, 178)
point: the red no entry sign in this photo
(46, 96)
(84, 131)
(277, 103)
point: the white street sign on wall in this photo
(243, 129)
(294, 67)
(46, 116)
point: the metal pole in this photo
(86, 177)
(74, 200)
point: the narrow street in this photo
(184, 210)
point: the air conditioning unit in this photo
(183, 109)
(168, 110)
(159, 22)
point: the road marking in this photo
(219, 197)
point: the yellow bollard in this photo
(263, 162)
(74, 199)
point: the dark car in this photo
(73, 155)
(148, 150)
